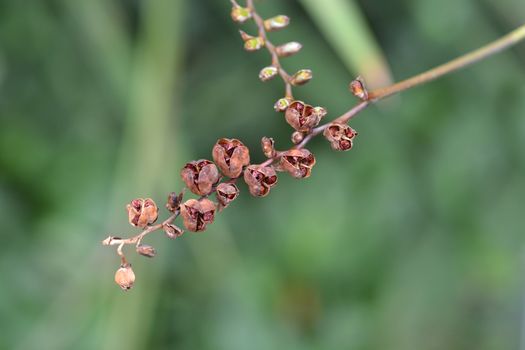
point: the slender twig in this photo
(486, 51)
(138, 238)
(271, 48)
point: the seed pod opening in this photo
(200, 176)
(142, 212)
(231, 155)
(197, 214)
(298, 162)
(340, 136)
(260, 179)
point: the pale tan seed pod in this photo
(276, 23)
(268, 73)
(125, 277)
(288, 49)
(172, 231)
(301, 77)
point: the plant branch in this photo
(271, 48)
(501, 44)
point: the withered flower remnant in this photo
(197, 214)
(340, 136)
(200, 176)
(172, 231)
(174, 200)
(142, 212)
(298, 162)
(231, 155)
(260, 179)
(146, 250)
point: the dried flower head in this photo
(260, 179)
(125, 277)
(146, 250)
(358, 88)
(340, 136)
(288, 49)
(226, 193)
(172, 231)
(298, 162)
(303, 117)
(200, 176)
(268, 147)
(276, 23)
(301, 77)
(197, 214)
(231, 155)
(142, 212)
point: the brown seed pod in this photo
(146, 250)
(142, 212)
(200, 176)
(197, 214)
(260, 179)
(125, 277)
(226, 193)
(303, 117)
(340, 136)
(172, 231)
(298, 162)
(231, 155)
(268, 147)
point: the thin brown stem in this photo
(466, 60)
(271, 48)
(138, 238)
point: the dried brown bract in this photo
(200, 176)
(298, 162)
(231, 155)
(174, 200)
(226, 193)
(260, 179)
(197, 214)
(340, 136)
(142, 212)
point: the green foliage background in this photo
(413, 240)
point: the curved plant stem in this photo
(271, 48)
(466, 60)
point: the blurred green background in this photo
(413, 240)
